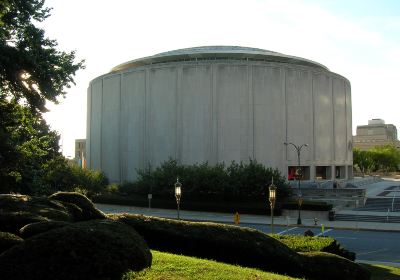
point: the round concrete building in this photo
(219, 104)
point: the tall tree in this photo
(32, 71)
(31, 68)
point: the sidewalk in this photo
(244, 218)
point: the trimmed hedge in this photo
(13, 221)
(314, 244)
(30, 230)
(8, 240)
(236, 245)
(207, 203)
(308, 205)
(89, 211)
(94, 250)
(220, 242)
(320, 265)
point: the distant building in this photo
(80, 152)
(376, 133)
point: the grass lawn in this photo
(383, 272)
(169, 266)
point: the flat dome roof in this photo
(218, 52)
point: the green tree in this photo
(386, 158)
(32, 71)
(363, 159)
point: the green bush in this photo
(20, 210)
(32, 229)
(13, 221)
(89, 211)
(208, 203)
(8, 240)
(307, 205)
(94, 250)
(238, 180)
(314, 244)
(319, 265)
(225, 243)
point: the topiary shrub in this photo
(220, 242)
(30, 230)
(319, 265)
(13, 221)
(314, 244)
(89, 211)
(8, 240)
(93, 250)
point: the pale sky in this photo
(358, 39)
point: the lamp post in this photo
(272, 199)
(178, 193)
(298, 175)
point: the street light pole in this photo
(272, 199)
(178, 194)
(298, 176)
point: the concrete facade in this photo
(219, 104)
(376, 133)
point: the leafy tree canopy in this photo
(31, 68)
(32, 71)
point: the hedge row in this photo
(308, 205)
(315, 244)
(241, 246)
(206, 203)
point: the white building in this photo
(219, 104)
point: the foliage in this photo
(240, 180)
(363, 160)
(308, 205)
(32, 71)
(320, 265)
(380, 272)
(300, 243)
(89, 211)
(386, 158)
(220, 242)
(170, 266)
(27, 145)
(380, 158)
(8, 240)
(93, 250)
(61, 176)
(32, 229)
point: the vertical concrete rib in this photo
(333, 123)
(120, 161)
(101, 125)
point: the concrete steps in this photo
(381, 205)
(367, 218)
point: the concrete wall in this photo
(217, 111)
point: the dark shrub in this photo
(225, 243)
(89, 211)
(307, 205)
(93, 250)
(8, 240)
(327, 266)
(37, 206)
(13, 221)
(20, 210)
(35, 228)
